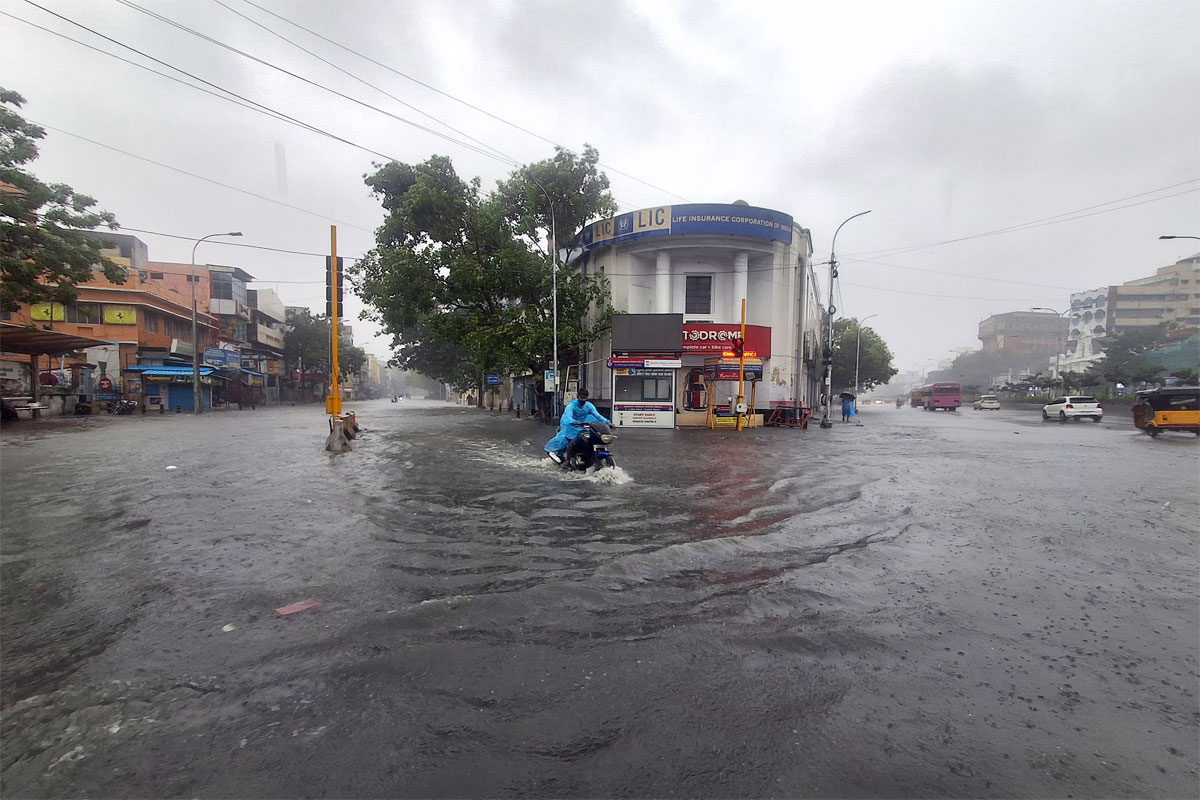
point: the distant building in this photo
(1088, 325)
(1023, 333)
(1171, 295)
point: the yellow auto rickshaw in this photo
(1174, 408)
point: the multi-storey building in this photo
(1023, 333)
(264, 352)
(1171, 295)
(146, 322)
(1087, 327)
(678, 277)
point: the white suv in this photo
(988, 402)
(1073, 407)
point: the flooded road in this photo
(930, 605)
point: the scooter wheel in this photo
(606, 461)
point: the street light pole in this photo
(1057, 355)
(857, 349)
(554, 297)
(195, 327)
(825, 423)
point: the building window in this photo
(222, 286)
(156, 276)
(83, 313)
(656, 389)
(698, 294)
(151, 321)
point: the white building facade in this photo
(691, 267)
(1088, 320)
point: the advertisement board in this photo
(643, 415)
(716, 338)
(694, 218)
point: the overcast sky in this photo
(946, 119)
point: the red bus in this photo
(946, 396)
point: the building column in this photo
(741, 265)
(662, 283)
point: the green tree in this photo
(873, 356)
(306, 343)
(1129, 355)
(458, 272)
(42, 254)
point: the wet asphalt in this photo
(976, 604)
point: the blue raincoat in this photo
(574, 412)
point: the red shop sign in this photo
(700, 337)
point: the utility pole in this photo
(741, 367)
(333, 403)
(825, 423)
(857, 350)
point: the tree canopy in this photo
(306, 343)
(1129, 355)
(42, 254)
(458, 276)
(874, 357)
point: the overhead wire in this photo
(266, 109)
(453, 97)
(1044, 221)
(488, 152)
(362, 80)
(202, 178)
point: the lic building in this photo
(678, 276)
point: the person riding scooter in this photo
(573, 417)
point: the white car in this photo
(987, 402)
(1073, 407)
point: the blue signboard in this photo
(220, 357)
(493, 379)
(693, 218)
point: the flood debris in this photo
(297, 608)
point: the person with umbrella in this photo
(847, 406)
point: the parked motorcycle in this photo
(124, 407)
(590, 448)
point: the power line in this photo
(201, 177)
(315, 84)
(1039, 223)
(956, 274)
(224, 243)
(453, 97)
(265, 109)
(361, 80)
(946, 296)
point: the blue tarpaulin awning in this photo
(251, 372)
(173, 372)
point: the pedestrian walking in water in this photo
(846, 401)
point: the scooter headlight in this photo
(608, 438)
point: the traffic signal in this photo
(739, 346)
(341, 283)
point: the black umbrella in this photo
(846, 396)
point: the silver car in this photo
(1073, 407)
(987, 402)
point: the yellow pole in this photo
(333, 404)
(742, 366)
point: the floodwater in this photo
(949, 605)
